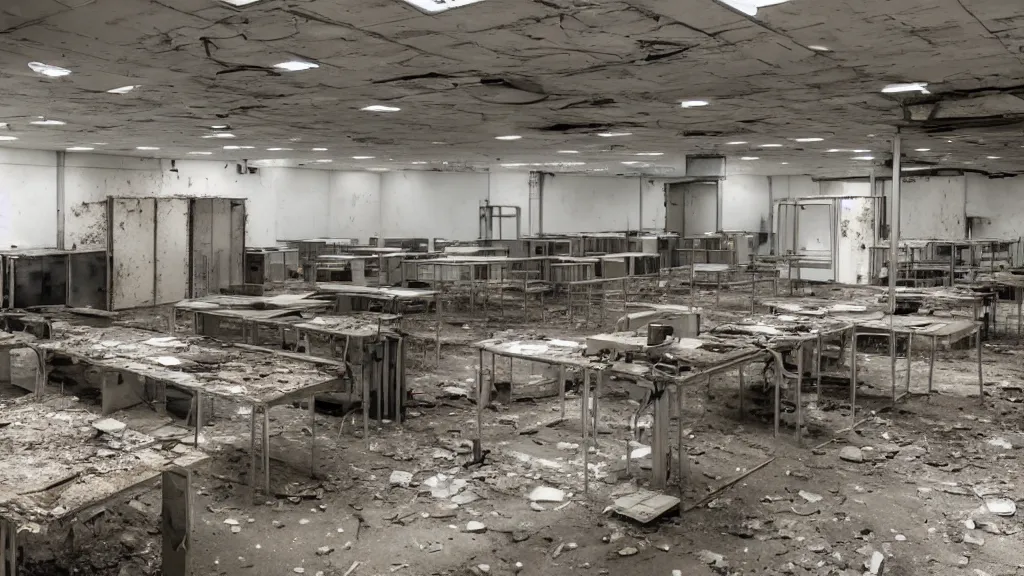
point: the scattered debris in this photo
(546, 494)
(877, 563)
(109, 426)
(851, 454)
(1000, 442)
(810, 496)
(474, 527)
(400, 479)
(1001, 506)
(628, 551)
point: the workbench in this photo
(20, 341)
(136, 366)
(56, 466)
(562, 354)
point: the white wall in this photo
(745, 203)
(28, 199)
(432, 204)
(933, 206)
(354, 205)
(1000, 201)
(591, 203)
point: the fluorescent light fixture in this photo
(614, 134)
(514, 165)
(324, 161)
(220, 127)
(808, 139)
(99, 143)
(122, 90)
(921, 87)
(993, 157)
(509, 137)
(418, 163)
(649, 154)
(363, 157)
(278, 149)
(380, 108)
(860, 151)
(319, 149)
(49, 122)
(749, 7)
(377, 169)
(784, 163)
(200, 153)
(220, 135)
(8, 138)
(631, 163)
(232, 147)
(922, 150)
(770, 146)
(435, 6)
(863, 157)
(693, 103)
(146, 148)
(819, 48)
(239, 2)
(247, 147)
(749, 158)
(737, 143)
(296, 66)
(48, 70)
(568, 151)
(79, 149)
(835, 150)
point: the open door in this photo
(217, 244)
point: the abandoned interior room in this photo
(511, 287)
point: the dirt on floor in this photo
(926, 487)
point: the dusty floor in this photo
(932, 467)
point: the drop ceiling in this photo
(556, 72)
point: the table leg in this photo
(596, 398)
(817, 368)
(312, 436)
(366, 402)
(981, 381)
(199, 415)
(931, 363)
(5, 366)
(799, 394)
(480, 396)
(779, 365)
(892, 363)
(853, 377)
(561, 389)
(266, 450)
(910, 359)
(584, 417)
(252, 451)
(718, 288)
(680, 476)
(743, 386)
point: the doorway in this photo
(691, 208)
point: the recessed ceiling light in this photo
(568, 151)
(921, 87)
(239, 2)
(614, 134)
(808, 139)
(784, 163)
(99, 143)
(324, 161)
(819, 48)
(630, 163)
(296, 66)
(247, 147)
(232, 147)
(770, 146)
(79, 149)
(835, 150)
(749, 158)
(863, 157)
(435, 6)
(220, 135)
(922, 150)
(993, 157)
(146, 148)
(693, 103)
(749, 7)
(737, 143)
(121, 90)
(363, 157)
(319, 149)
(220, 127)
(649, 154)
(278, 149)
(380, 108)
(418, 163)
(48, 70)
(49, 122)
(200, 153)
(8, 138)
(509, 137)
(377, 169)
(514, 165)
(860, 151)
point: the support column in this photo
(61, 157)
(894, 224)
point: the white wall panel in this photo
(590, 203)
(1000, 204)
(28, 198)
(303, 202)
(172, 250)
(432, 204)
(745, 202)
(354, 200)
(134, 255)
(88, 180)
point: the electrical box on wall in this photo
(705, 166)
